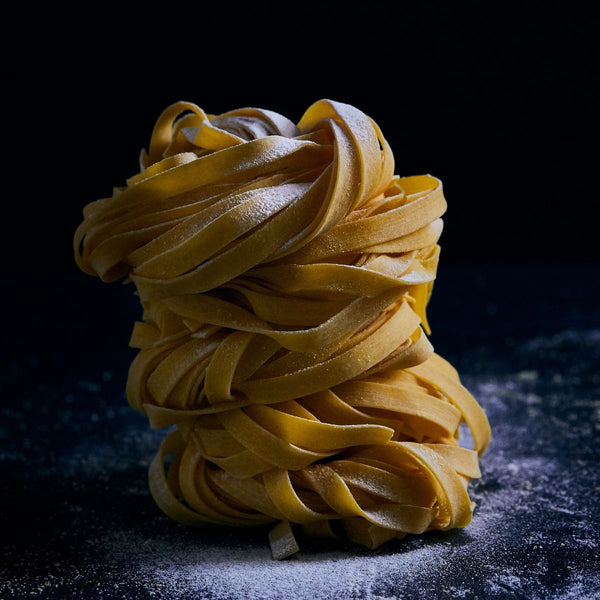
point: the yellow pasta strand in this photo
(284, 272)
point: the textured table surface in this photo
(78, 521)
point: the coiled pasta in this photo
(284, 272)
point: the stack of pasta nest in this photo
(284, 272)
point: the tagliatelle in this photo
(284, 272)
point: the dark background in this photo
(499, 100)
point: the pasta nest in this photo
(284, 272)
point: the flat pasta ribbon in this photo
(284, 272)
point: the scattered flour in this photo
(534, 534)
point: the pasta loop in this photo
(284, 272)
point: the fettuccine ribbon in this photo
(284, 273)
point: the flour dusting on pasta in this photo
(284, 272)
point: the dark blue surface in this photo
(78, 520)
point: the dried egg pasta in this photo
(284, 272)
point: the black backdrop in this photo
(497, 100)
